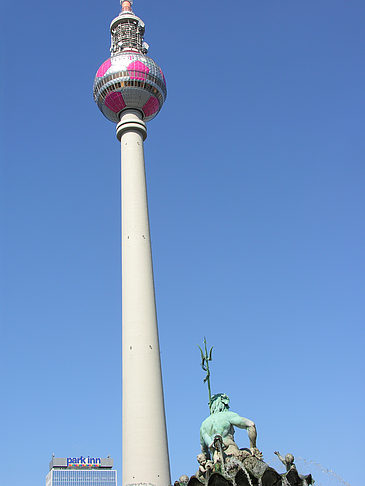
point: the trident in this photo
(205, 365)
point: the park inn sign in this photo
(83, 461)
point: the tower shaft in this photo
(144, 438)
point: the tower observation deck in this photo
(129, 78)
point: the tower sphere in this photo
(129, 79)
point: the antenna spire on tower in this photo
(126, 5)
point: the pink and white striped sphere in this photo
(129, 80)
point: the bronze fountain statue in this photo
(221, 461)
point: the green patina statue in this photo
(218, 428)
(221, 462)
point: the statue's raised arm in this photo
(245, 423)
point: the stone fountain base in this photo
(251, 472)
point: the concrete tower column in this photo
(144, 438)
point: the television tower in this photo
(130, 89)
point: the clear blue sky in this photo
(255, 171)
